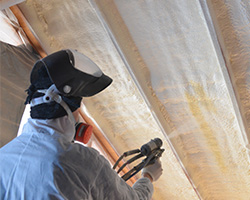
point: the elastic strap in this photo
(51, 94)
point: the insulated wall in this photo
(231, 20)
(181, 73)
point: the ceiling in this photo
(181, 72)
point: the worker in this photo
(43, 162)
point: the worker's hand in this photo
(154, 170)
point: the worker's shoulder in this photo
(84, 152)
(83, 156)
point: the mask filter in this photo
(83, 132)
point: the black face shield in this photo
(73, 74)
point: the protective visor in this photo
(73, 73)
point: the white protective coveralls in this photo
(42, 163)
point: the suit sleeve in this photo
(108, 185)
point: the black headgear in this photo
(74, 76)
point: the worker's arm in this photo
(147, 175)
(108, 185)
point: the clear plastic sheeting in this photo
(171, 81)
(8, 27)
(7, 3)
(15, 67)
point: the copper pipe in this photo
(25, 26)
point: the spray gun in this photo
(152, 150)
